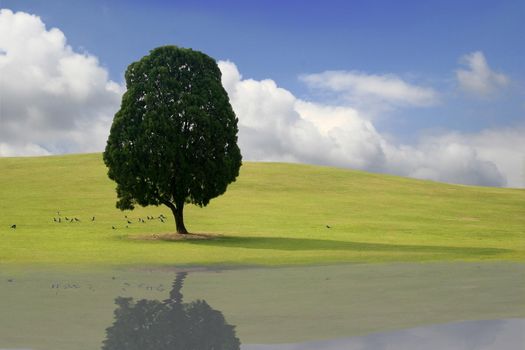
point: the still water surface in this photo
(451, 306)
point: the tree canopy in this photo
(174, 139)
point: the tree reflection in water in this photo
(169, 324)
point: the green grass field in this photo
(275, 214)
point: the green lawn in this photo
(274, 214)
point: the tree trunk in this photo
(178, 214)
(179, 220)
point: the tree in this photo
(174, 139)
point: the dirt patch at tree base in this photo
(176, 237)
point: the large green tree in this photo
(174, 139)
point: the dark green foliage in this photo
(174, 139)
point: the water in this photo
(379, 306)
(467, 335)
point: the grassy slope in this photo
(273, 214)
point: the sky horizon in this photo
(431, 90)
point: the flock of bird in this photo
(60, 219)
(161, 218)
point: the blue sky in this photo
(281, 39)
(422, 44)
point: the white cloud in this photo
(56, 100)
(22, 149)
(505, 147)
(53, 99)
(478, 79)
(445, 158)
(356, 86)
(350, 140)
(275, 125)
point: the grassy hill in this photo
(274, 214)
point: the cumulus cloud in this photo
(274, 125)
(57, 100)
(504, 147)
(53, 99)
(479, 79)
(356, 86)
(445, 158)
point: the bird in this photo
(327, 226)
(55, 219)
(129, 222)
(67, 219)
(93, 218)
(113, 227)
(77, 220)
(59, 220)
(13, 226)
